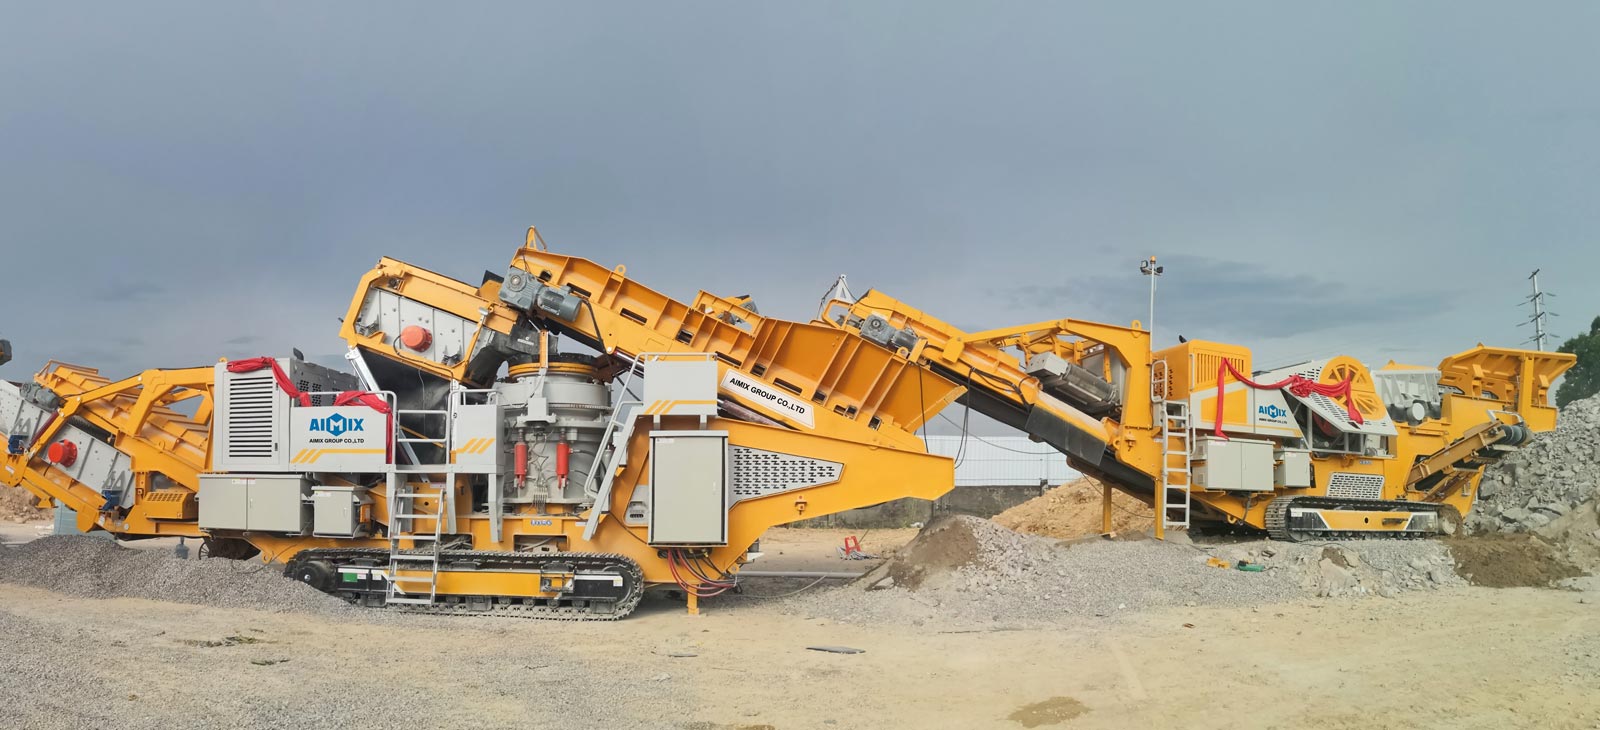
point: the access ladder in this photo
(1172, 492)
(408, 583)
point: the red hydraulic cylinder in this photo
(519, 461)
(563, 454)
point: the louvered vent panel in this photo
(250, 426)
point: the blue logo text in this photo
(337, 424)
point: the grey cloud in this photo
(989, 164)
(123, 292)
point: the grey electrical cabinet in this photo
(336, 510)
(1233, 464)
(255, 502)
(688, 488)
(1293, 470)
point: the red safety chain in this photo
(1300, 386)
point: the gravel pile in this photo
(1383, 568)
(95, 568)
(968, 572)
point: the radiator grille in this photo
(249, 424)
(758, 473)
(1206, 366)
(1349, 485)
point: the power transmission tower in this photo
(1540, 314)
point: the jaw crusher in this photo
(1323, 449)
(470, 461)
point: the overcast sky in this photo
(180, 182)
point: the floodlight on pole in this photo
(1149, 268)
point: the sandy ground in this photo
(1464, 658)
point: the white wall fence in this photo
(1003, 460)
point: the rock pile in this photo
(1550, 489)
(1544, 480)
(19, 505)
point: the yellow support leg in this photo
(1161, 508)
(1105, 510)
(694, 605)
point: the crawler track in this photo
(321, 568)
(1281, 526)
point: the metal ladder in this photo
(402, 523)
(402, 500)
(1174, 486)
(622, 414)
(404, 513)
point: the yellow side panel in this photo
(1236, 409)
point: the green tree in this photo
(1583, 380)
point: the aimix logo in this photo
(337, 425)
(1272, 411)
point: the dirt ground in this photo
(1464, 658)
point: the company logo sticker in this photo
(337, 425)
(1273, 412)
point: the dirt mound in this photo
(19, 505)
(1510, 561)
(945, 544)
(1072, 510)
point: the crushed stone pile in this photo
(91, 567)
(1358, 568)
(1072, 510)
(19, 505)
(965, 571)
(1549, 489)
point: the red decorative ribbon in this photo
(1300, 386)
(370, 400)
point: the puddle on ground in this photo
(1053, 711)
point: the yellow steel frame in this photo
(137, 413)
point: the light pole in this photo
(1148, 268)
